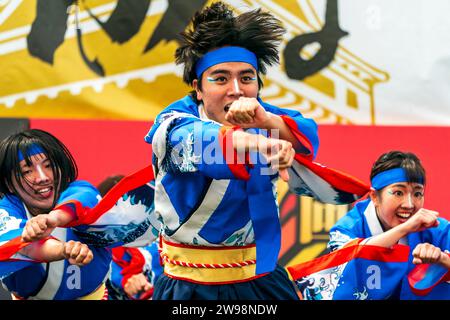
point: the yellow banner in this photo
(115, 60)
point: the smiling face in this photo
(36, 184)
(398, 202)
(224, 83)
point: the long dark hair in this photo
(217, 26)
(415, 172)
(63, 164)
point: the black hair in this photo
(415, 172)
(63, 164)
(217, 26)
(108, 183)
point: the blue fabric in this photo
(242, 200)
(225, 54)
(369, 279)
(354, 225)
(26, 277)
(274, 286)
(186, 105)
(266, 224)
(388, 177)
(34, 149)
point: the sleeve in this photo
(132, 220)
(433, 280)
(304, 129)
(11, 227)
(183, 143)
(79, 196)
(339, 238)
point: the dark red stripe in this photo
(226, 139)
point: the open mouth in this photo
(227, 107)
(45, 192)
(404, 215)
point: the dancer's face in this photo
(36, 185)
(398, 202)
(224, 83)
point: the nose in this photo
(408, 201)
(41, 176)
(235, 88)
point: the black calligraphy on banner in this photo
(175, 20)
(299, 68)
(48, 29)
(50, 25)
(125, 21)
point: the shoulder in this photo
(277, 110)
(354, 219)
(12, 205)
(79, 188)
(82, 184)
(183, 105)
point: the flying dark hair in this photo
(415, 172)
(217, 26)
(63, 164)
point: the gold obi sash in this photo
(209, 265)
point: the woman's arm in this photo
(421, 220)
(53, 250)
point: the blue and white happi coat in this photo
(378, 276)
(56, 280)
(128, 222)
(205, 201)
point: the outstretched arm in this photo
(300, 132)
(53, 250)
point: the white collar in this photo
(374, 223)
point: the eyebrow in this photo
(218, 71)
(27, 166)
(399, 186)
(404, 187)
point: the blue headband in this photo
(225, 54)
(31, 151)
(388, 177)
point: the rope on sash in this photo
(165, 258)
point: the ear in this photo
(374, 197)
(197, 90)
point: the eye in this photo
(248, 79)
(219, 79)
(418, 194)
(26, 172)
(398, 193)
